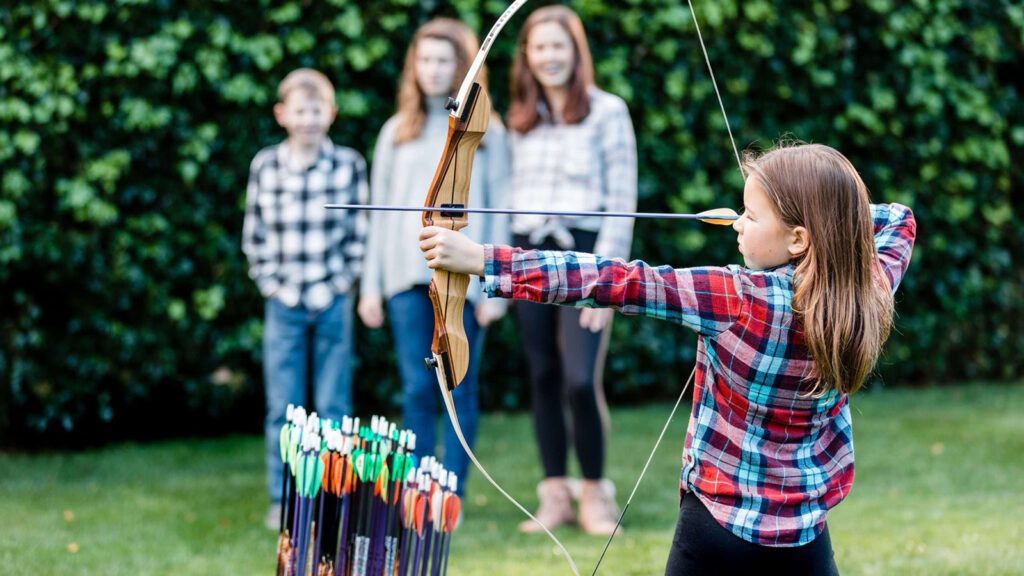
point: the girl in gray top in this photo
(406, 155)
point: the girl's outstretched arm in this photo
(707, 299)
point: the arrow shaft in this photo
(581, 214)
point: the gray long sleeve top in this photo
(400, 175)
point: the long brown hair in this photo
(842, 299)
(523, 115)
(412, 102)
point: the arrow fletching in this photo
(719, 216)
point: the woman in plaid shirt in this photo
(573, 148)
(783, 341)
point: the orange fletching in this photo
(380, 488)
(708, 216)
(408, 508)
(325, 457)
(336, 474)
(421, 503)
(454, 506)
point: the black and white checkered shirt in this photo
(300, 252)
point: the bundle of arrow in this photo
(355, 503)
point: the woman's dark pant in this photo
(563, 364)
(702, 546)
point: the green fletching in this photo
(285, 430)
(407, 464)
(358, 463)
(294, 439)
(371, 465)
(397, 465)
(309, 463)
(293, 458)
(364, 467)
(368, 467)
(410, 464)
(300, 473)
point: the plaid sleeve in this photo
(618, 161)
(895, 230)
(254, 234)
(706, 300)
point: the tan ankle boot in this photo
(598, 510)
(555, 506)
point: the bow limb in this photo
(449, 405)
(450, 347)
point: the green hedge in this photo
(126, 129)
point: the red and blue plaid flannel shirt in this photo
(767, 459)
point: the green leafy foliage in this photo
(126, 130)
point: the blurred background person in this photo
(573, 148)
(405, 158)
(305, 261)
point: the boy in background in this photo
(305, 260)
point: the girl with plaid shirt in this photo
(783, 341)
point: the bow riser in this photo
(450, 188)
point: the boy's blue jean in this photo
(412, 324)
(287, 335)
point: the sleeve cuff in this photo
(497, 280)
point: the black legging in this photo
(562, 363)
(702, 546)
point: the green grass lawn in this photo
(939, 490)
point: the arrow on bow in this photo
(719, 216)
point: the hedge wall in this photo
(126, 129)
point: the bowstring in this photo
(711, 72)
(450, 407)
(646, 466)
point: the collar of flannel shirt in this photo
(322, 163)
(545, 112)
(780, 269)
